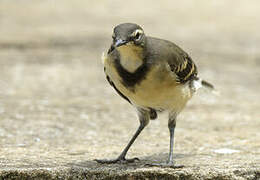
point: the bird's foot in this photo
(166, 165)
(117, 160)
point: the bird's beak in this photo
(120, 42)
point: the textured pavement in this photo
(58, 113)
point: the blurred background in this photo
(55, 101)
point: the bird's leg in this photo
(171, 126)
(170, 162)
(144, 120)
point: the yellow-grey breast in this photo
(149, 72)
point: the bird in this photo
(153, 75)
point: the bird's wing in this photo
(184, 68)
(179, 61)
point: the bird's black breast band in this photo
(131, 79)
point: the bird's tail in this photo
(207, 85)
(198, 83)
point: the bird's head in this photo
(128, 34)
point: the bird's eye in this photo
(137, 36)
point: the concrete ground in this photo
(58, 113)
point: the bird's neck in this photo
(131, 57)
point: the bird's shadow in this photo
(143, 161)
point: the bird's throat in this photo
(131, 57)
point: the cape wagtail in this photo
(153, 75)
